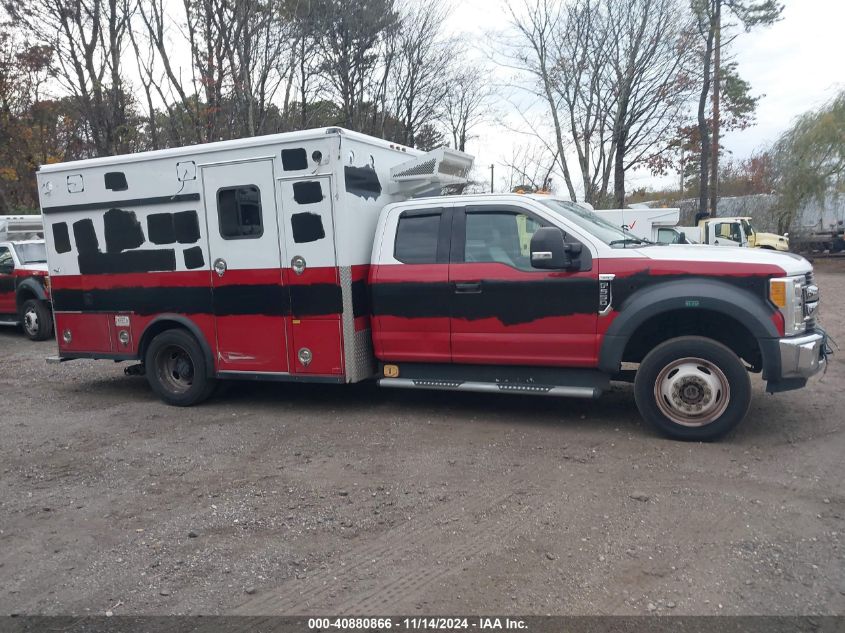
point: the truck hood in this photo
(791, 263)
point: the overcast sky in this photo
(798, 64)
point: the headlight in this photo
(787, 293)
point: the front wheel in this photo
(36, 320)
(176, 369)
(692, 388)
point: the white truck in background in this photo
(661, 225)
(654, 225)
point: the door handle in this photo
(220, 266)
(468, 288)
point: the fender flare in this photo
(691, 294)
(188, 325)
(33, 285)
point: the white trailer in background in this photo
(655, 225)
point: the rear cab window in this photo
(422, 237)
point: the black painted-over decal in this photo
(362, 182)
(7, 283)
(307, 227)
(160, 228)
(96, 263)
(294, 159)
(116, 181)
(517, 302)
(511, 302)
(123, 230)
(307, 192)
(85, 237)
(193, 258)
(269, 300)
(131, 202)
(61, 238)
(360, 298)
(186, 227)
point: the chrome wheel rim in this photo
(175, 369)
(692, 392)
(30, 322)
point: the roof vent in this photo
(438, 168)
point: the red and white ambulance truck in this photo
(316, 256)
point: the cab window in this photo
(7, 264)
(668, 236)
(729, 231)
(502, 237)
(417, 237)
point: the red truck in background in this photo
(323, 256)
(25, 288)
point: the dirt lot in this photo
(314, 499)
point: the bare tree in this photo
(529, 168)
(351, 42)
(465, 104)
(580, 84)
(420, 71)
(89, 38)
(260, 61)
(536, 24)
(649, 60)
(709, 20)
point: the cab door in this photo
(7, 281)
(249, 301)
(726, 233)
(503, 310)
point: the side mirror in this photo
(549, 251)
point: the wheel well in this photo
(154, 330)
(162, 325)
(707, 323)
(24, 295)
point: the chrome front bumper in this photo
(802, 356)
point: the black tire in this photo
(692, 388)
(36, 320)
(176, 369)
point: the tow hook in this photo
(135, 370)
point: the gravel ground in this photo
(282, 499)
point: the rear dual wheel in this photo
(692, 388)
(177, 370)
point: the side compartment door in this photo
(506, 312)
(311, 275)
(250, 302)
(7, 281)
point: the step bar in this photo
(491, 387)
(536, 381)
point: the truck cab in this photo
(25, 288)
(739, 231)
(532, 294)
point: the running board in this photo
(10, 323)
(491, 387)
(538, 381)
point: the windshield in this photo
(594, 225)
(35, 253)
